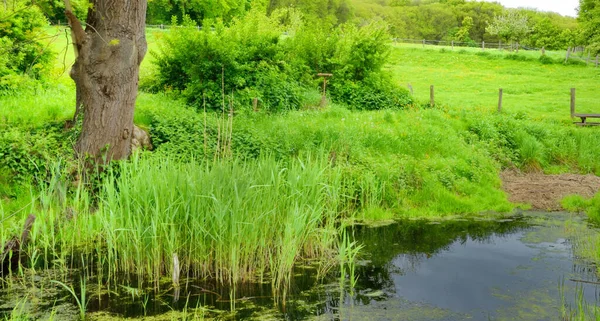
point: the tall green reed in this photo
(228, 220)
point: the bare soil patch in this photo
(544, 192)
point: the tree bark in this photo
(106, 74)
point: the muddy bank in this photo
(544, 192)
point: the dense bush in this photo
(23, 56)
(276, 59)
(27, 153)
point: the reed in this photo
(229, 220)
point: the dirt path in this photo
(544, 192)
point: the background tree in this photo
(589, 16)
(106, 74)
(327, 11)
(462, 34)
(23, 55)
(512, 26)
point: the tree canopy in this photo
(589, 16)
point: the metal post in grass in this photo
(572, 102)
(432, 96)
(500, 101)
(324, 95)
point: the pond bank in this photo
(545, 192)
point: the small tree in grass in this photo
(512, 27)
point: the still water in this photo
(525, 267)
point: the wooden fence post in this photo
(597, 56)
(423, 43)
(568, 54)
(572, 102)
(432, 96)
(452, 44)
(543, 51)
(588, 58)
(500, 101)
(500, 45)
(483, 46)
(324, 94)
(255, 104)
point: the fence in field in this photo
(583, 116)
(573, 53)
(578, 53)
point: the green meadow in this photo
(470, 78)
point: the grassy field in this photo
(470, 79)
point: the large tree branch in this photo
(77, 32)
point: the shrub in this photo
(243, 59)
(373, 93)
(253, 58)
(22, 54)
(25, 154)
(517, 57)
(545, 60)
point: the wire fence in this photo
(578, 53)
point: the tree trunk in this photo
(106, 74)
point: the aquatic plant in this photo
(228, 220)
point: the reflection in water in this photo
(479, 269)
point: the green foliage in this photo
(161, 11)
(512, 26)
(231, 221)
(546, 60)
(251, 58)
(589, 15)
(25, 154)
(244, 58)
(463, 21)
(54, 10)
(373, 93)
(462, 33)
(323, 12)
(576, 203)
(23, 56)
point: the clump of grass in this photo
(231, 221)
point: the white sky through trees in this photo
(564, 7)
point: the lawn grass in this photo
(470, 79)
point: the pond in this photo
(524, 267)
